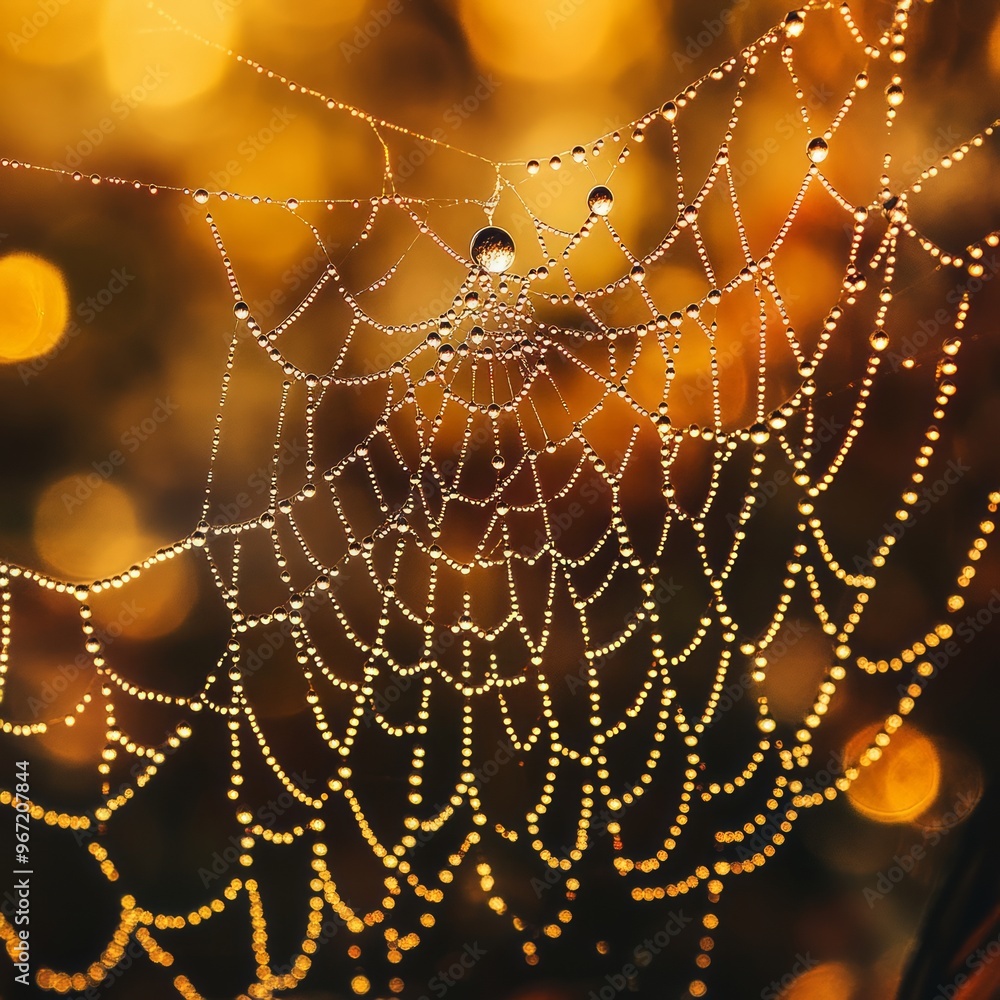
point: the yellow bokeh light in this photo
(36, 306)
(902, 784)
(51, 33)
(143, 49)
(829, 981)
(555, 41)
(86, 528)
(286, 155)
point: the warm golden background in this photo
(104, 86)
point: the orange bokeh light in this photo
(87, 529)
(36, 306)
(829, 981)
(903, 783)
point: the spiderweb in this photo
(515, 557)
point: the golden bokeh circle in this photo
(828, 981)
(144, 54)
(571, 38)
(903, 783)
(86, 527)
(36, 306)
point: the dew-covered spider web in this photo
(538, 547)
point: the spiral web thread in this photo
(494, 367)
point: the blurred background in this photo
(109, 390)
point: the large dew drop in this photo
(817, 149)
(795, 22)
(600, 200)
(493, 249)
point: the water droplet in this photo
(201, 196)
(795, 22)
(446, 352)
(861, 81)
(817, 149)
(600, 200)
(894, 95)
(292, 204)
(759, 433)
(555, 163)
(498, 462)
(579, 154)
(493, 249)
(241, 310)
(669, 111)
(879, 340)
(532, 166)
(638, 274)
